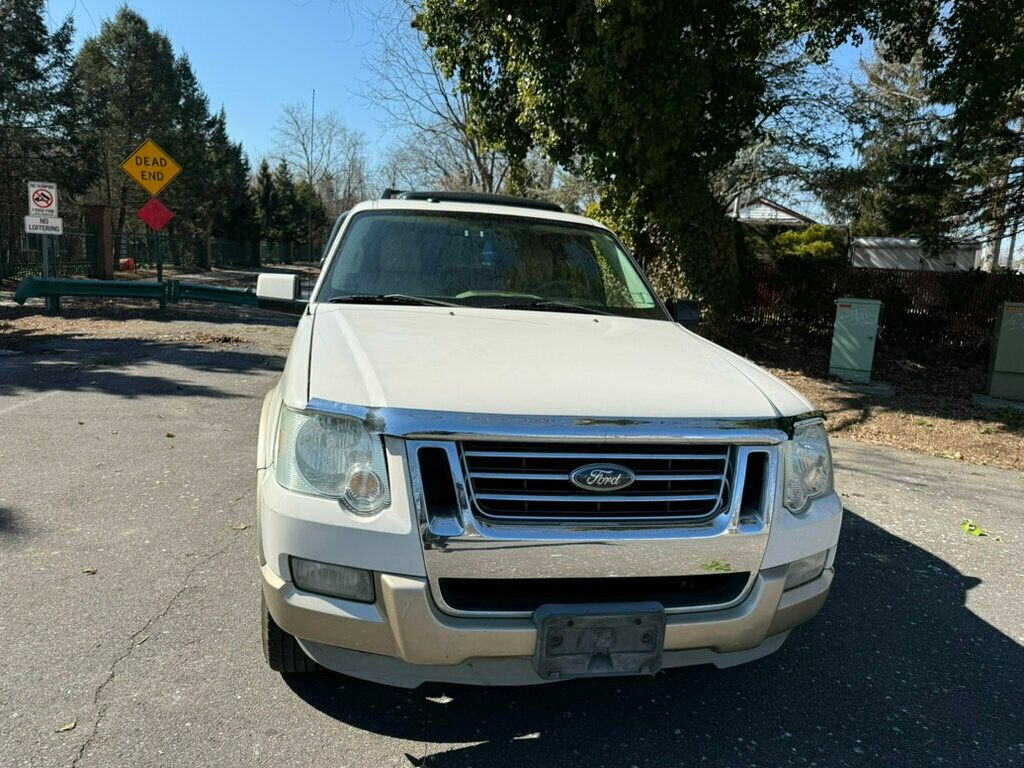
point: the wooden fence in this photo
(952, 309)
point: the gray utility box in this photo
(853, 340)
(1006, 372)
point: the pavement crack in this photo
(134, 642)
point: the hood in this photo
(538, 363)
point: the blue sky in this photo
(252, 56)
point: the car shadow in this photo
(896, 669)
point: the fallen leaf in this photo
(67, 727)
(169, 434)
(969, 526)
(89, 571)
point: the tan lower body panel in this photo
(404, 629)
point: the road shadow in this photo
(11, 526)
(124, 367)
(896, 670)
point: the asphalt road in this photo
(129, 596)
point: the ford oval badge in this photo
(602, 477)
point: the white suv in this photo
(494, 457)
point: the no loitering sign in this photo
(151, 168)
(44, 225)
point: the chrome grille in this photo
(530, 481)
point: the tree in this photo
(651, 99)
(266, 201)
(189, 196)
(324, 153)
(802, 131)
(429, 113)
(44, 114)
(310, 214)
(130, 70)
(233, 211)
(903, 183)
(977, 57)
(287, 224)
(815, 242)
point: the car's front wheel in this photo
(281, 650)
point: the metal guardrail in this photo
(171, 291)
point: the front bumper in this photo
(404, 640)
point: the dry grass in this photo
(931, 410)
(977, 436)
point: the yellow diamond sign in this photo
(151, 167)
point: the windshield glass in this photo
(487, 261)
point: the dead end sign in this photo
(150, 167)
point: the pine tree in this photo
(903, 184)
(227, 185)
(43, 112)
(266, 201)
(287, 224)
(131, 71)
(189, 196)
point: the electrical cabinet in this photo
(1006, 371)
(853, 339)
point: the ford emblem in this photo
(602, 477)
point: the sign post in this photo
(153, 169)
(44, 221)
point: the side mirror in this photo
(686, 312)
(279, 293)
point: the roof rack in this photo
(484, 198)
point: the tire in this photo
(281, 650)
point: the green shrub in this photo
(815, 242)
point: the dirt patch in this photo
(199, 337)
(930, 411)
(25, 327)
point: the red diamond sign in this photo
(155, 214)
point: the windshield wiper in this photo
(391, 298)
(553, 306)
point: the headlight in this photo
(808, 466)
(334, 456)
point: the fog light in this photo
(334, 580)
(803, 570)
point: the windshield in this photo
(486, 261)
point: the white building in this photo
(906, 253)
(760, 210)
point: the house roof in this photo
(761, 209)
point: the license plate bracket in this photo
(599, 640)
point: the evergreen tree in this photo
(286, 224)
(130, 69)
(227, 186)
(266, 201)
(43, 111)
(903, 184)
(189, 196)
(311, 215)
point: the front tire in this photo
(281, 650)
